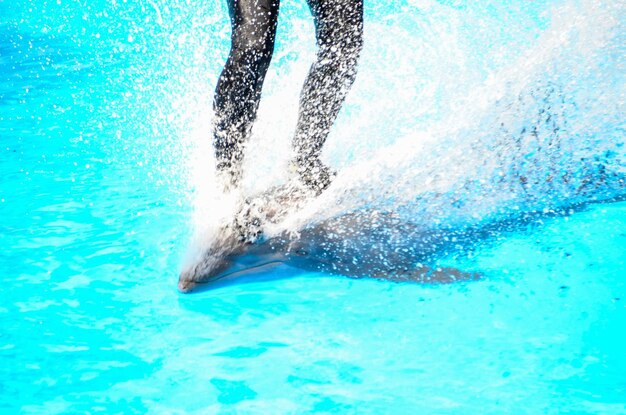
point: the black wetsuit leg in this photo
(238, 89)
(339, 34)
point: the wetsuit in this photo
(339, 35)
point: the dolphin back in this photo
(371, 244)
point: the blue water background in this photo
(95, 218)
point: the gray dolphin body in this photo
(359, 244)
(363, 243)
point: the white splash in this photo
(458, 116)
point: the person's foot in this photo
(313, 173)
(254, 213)
(228, 177)
(248, 223)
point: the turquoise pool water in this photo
(100, 108)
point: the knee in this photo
(341, 41)
(252, 50)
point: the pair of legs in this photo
(339, 35)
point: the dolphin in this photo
(360, 244)
(365, 243)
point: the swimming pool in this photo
(104, 113)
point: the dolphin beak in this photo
(185, 286)
(237, 270)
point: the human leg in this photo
(339, 35)
(239, 87)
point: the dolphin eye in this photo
(301, 252)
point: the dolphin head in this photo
(230, 254)
(226, 252)
(214, 259)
